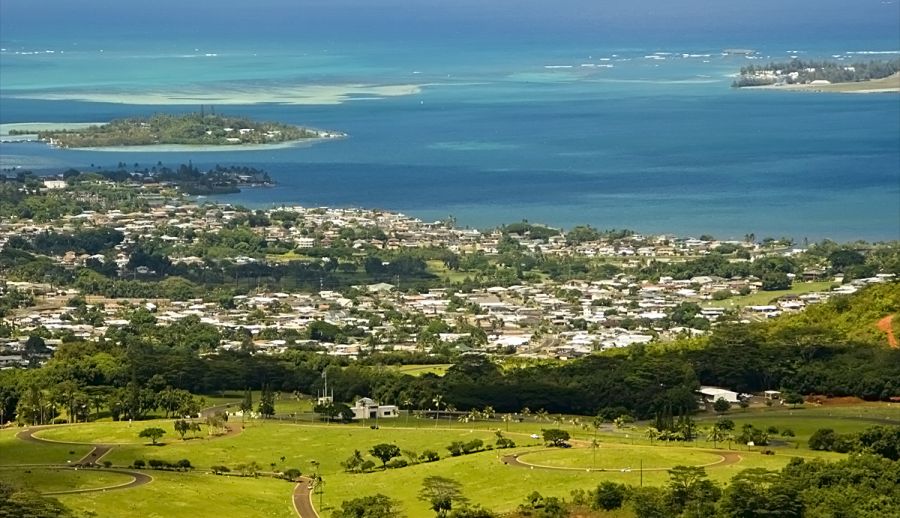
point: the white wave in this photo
(875, 52)
(557, 66)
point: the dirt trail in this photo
(886, 325)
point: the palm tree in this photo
(488, 412)
(450, 410)
(594, 445)
(715, 435)
(526, 413)
(652, 433)
(408, 404)
(541, 415)
(507, 418)
(438, 399)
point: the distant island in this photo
(871, 76)
(187, 178)
(192, 129)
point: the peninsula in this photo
(192, 129)
(862, 77)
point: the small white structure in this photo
(772, 395)
(713, 394)
(366, 408)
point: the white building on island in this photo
(366, 408)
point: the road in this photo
(303, 499)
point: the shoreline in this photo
(153, 148)
(885, 85)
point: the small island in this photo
(187, 178)
(192, 129)
(871, 76)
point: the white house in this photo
(366, 408)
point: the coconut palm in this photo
(652, 433)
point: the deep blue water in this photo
(492, 135)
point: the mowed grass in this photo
(285, 403)
(620, 456)
(15, 451)
(46, 480)
(191, 494)
(419, 370)
(267, 442)
(485, 479)
(762, 298)
(109, 432)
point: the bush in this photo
(609, 496)
(157, 464)
(787, 432)
(184, 464)
(291, 474)
(822, 440)
(504, 442)
(107, 463)
(219, 469)
(138, 464)
(773, 430)
(429, 456)
(397, 463)
(473, 446)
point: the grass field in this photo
(620, 456)
(419, 370)
(191, 494)
(15, 451)
(321, 447)
(45, 480)
(762, 298)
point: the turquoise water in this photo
(499, 128)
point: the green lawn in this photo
(419, 370)
(762, 298)
(620, 456)
(109, 432)
(191, 494)
(485, 479)
(46, 480)
(15, 451)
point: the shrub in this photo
(822, 439)
(157, 464)
(138, 464)
(218, 470)
(107, 463)
(504, 442)
(773, 430)
(291, 474)
(787, 432)
(473, 446)
(429, 456)
(397, 463)
(609, 496)
(184, 464)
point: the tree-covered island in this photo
(799, 72)
(192, 129)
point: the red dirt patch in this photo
(885, 325)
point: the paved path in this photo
(303, 499)
(727, 458)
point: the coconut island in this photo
(192, 129)
(823, 76)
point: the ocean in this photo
(615, 129)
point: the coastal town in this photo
(465, 306)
